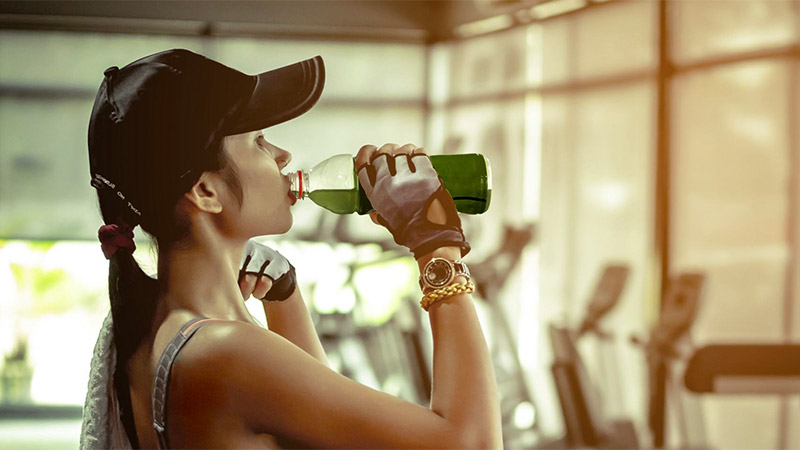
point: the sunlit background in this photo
(657, 136)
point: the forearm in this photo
(464, 384)
(292, 320)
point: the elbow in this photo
(477, 436)
(483, 443)
(488, 444)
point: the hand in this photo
(265, 273)
(409, 198)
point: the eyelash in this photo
(259, 141)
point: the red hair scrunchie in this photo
(113, 237)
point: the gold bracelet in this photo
(448, 291)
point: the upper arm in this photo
(291, 319)
(277, 388)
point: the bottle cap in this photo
(299, 184)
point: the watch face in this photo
(438, 272)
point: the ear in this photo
(205, 194)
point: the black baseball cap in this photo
(157, 123)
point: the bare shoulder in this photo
(228, 346)
(230, 359)
(263, 382)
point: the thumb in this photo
(383, 222)
(377, 219)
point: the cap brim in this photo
(281, 95)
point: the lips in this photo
(292, 197)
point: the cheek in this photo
(263, 186)
(266, 192)
(259, 176)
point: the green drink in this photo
(336, 200)
(334, 185)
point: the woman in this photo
(175, 146)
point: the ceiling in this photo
(382, 20)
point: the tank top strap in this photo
(163, 371)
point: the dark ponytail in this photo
(133, 294)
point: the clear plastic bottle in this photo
(334, 184)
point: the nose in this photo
(284, 157)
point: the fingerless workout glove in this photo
(401, 188)
(259, 259)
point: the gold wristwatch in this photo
(440, 272)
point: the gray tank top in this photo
(161, 384)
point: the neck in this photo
(201, 275)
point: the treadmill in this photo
(747, 369)
(584, 423)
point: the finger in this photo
(391, 162)
(382, 161)
(247, 285)
(363, 156)
(263, 268)
(244, 266)
(378, 219)
(383, 222)
(408, 164)
(402, 164)
(386, 151)
(399, 163)
(422, 163)
(383, 164)
(262, 287)
(366, 175)
(406, 149)
(374, 217)
(386, 148)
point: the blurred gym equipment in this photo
(763, 369)
(744, 369)
(388, 356)
(664, 347)
(583, 417)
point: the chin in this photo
(276, 227)
(285, 225)
(286, 228)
